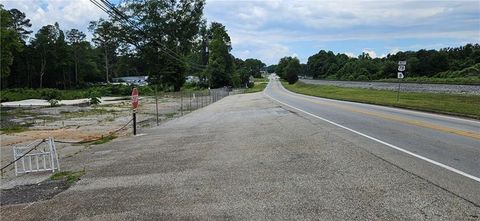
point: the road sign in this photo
(134, 98)
(400, 75)
(401, 68)
(402, 63)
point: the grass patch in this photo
(10, 129)
(70, 177)
(169, 115)
(105, 139)
(257, 87)
(460, 105)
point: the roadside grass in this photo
(460, 105)
(103, 140)
(170, 115)
(70, 177)
(10, 129)
(258, 86)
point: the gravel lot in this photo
(243, 158)
(408, 87)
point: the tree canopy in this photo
(165, 39)
(447, 62)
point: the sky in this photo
(271, 29)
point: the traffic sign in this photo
(402, 63)
(134, 98)
(401, 68)
(400, 75)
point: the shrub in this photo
(50, 94)
(94, 96)
(53, 102)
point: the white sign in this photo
(402, 63)
(400, 75)
(401, 68)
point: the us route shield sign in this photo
(134, 98)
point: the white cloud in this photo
(370, 52)
(68, 13)
(350, 54)
(288, 22)
(271, 29)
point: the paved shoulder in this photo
(245, 158)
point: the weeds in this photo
(70, 177)
(14, 129)
(105, 139)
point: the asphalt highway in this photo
(442, 149)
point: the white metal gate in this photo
(41, 158)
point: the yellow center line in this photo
(390, 117)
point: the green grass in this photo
(257, 87)
(69, 176)
(460, 105)
(169, 115)
(10, 129)
(105, 139)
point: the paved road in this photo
(248, 157)
(451, 144)
(411, 87)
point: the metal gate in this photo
(41, 158)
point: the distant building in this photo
(192, 79)
(264, 74)
(132, 80)
(251, 79)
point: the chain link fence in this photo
(165, 105)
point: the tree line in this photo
(456, 62)
(166, 40)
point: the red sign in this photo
(134, 98)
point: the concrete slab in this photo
(45, 103)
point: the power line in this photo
(109, 7)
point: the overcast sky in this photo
(271, 29)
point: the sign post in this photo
(134, 109)
(400, 76)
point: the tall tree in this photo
(10, 43)
(75, 37)
(20, 23)
(163, 33)
(105, 36)
(292, 70)
(44, 44)
(220, 62)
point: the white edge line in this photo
(383, 142)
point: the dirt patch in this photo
(34, 192)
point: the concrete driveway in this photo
(245, 158)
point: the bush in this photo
(94, 96)
(50, 94)
(53, 102)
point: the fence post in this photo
(181, 103)
(156, 103)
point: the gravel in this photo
(407, 87)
